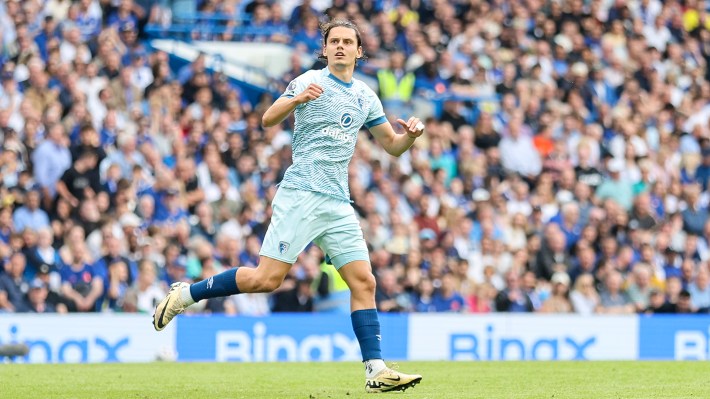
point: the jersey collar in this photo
(337, 80)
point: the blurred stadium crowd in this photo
(567, 171)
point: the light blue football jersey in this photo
(326, 132)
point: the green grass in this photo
(346, 380)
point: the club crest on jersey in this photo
(360, 102)
(346, 120)
(283, 247)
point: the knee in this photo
(365, 283)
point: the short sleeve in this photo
(296, 86)
(376, 116)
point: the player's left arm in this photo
(394, 143)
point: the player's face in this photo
(341, 48)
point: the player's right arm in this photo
(280, 109)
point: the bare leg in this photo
(266, 277)
(358, 275)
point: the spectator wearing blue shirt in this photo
(114, 253)
(80, 283)
(48, 33)
(423, 297)
(702, 173)
(700, 290)
(250, 255)
(42, 254)
(115, 285)
(170, 210)
(126, 157)
(123, 16)
(188, 71)
(12, 286)
(30, 215)
(299, 12)
(428, 81)
(568, 220)
(6, 224)
(694, 217)
(309, 36)
(447, 299)
(51, 159)
(89, 19)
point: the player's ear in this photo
(359, 52)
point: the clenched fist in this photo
(312, 92)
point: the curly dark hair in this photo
(325, 29)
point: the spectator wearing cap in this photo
(37, 298)
(558, 302)
(43, 254)
(30, 215)
(614, 187)
(13, 287)
(53, 282)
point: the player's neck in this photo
(342, 72)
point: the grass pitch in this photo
(346, 380)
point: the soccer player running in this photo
(313, 200)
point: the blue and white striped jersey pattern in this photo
(326, 131)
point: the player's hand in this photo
(312, 92)
(414, 127)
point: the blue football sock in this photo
(223, 284)
(367, 330)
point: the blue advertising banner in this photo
(674, 337)
(87, 338)
(292, 337)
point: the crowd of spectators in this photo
(567, 172)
